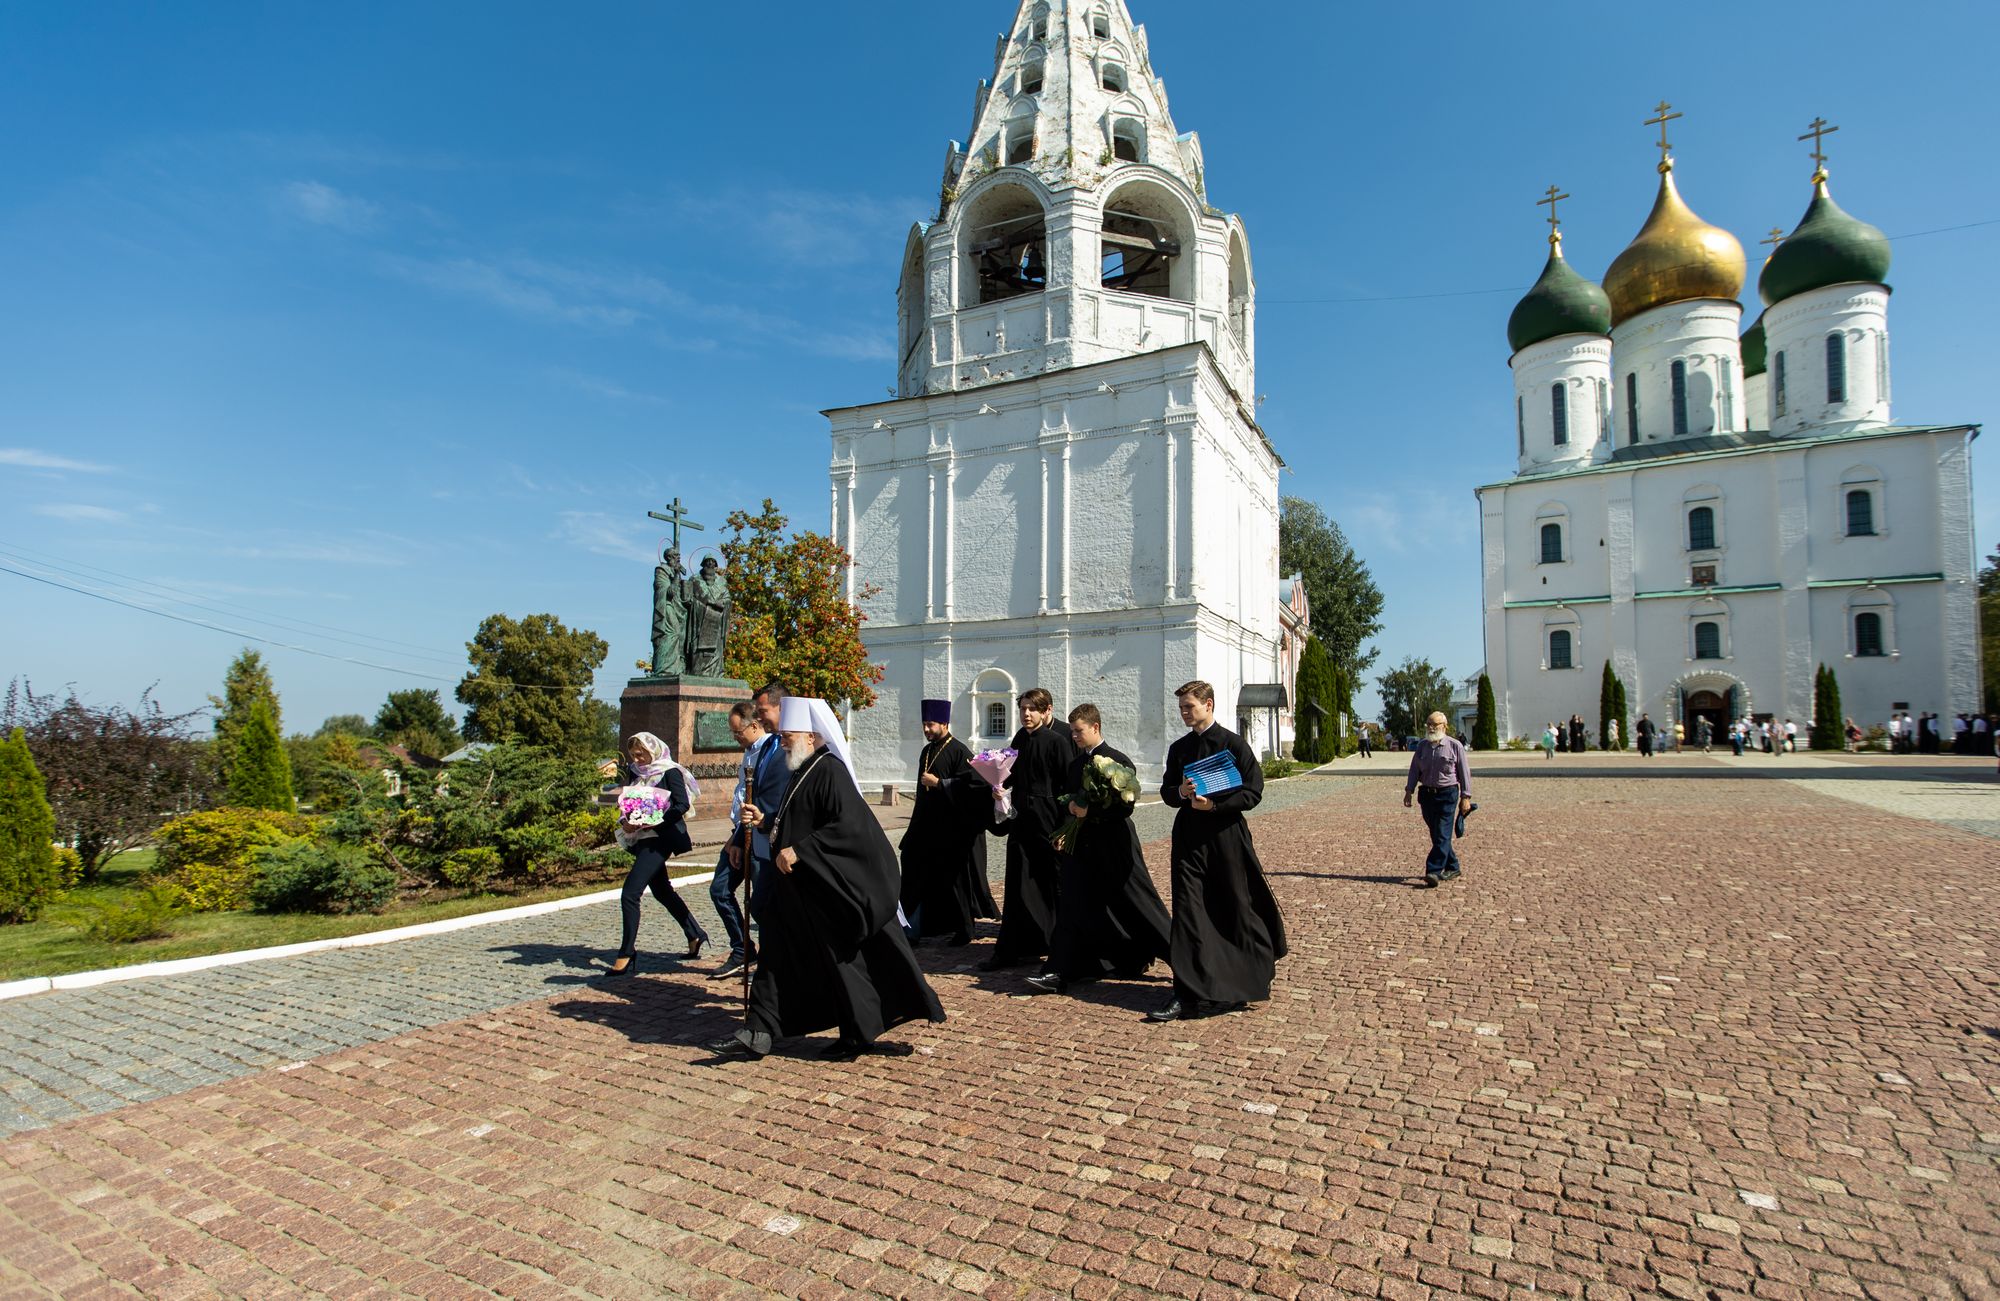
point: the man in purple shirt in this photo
(1442, 786)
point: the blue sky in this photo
(367, 321)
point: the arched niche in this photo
(1242, 286)
(1002, 244)
(912, 295)
(1148, 241)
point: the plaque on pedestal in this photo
(691, 715)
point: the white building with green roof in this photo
(1717, 516)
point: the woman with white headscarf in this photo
(652, 765)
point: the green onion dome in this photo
(1828, 248)
(1753, 349)
(1562, 302)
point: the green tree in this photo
(1486, 724)
(246, 683)
(530, 682)
(1411, 693)
(1346, 605)
(1611, 706)
(791, 617)
(1989, 629)
(417, 714)
(29, 878)
(346, 725)
(261, 775)
(1828, 730)
(1313, 718)
(1624, 717)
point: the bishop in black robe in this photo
(1227, 932)
(944, 847)
(1112, 922)
(831, 952)
(1028, 913)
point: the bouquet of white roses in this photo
(1106, 784)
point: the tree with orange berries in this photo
(792, 620)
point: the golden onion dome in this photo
(1675, 257)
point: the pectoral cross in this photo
(1817, 133)
(1661, 121)
(1555, 225)
(676, 515)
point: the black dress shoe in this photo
(1223, 1009)
(733, 967)
(1048, 983)
(743, 1044)
(1171, 1012)
(1429, 882)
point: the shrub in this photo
(591, 828)
(69, 866)
(471, 869)
(209, 854)
(29, 878)
(1276, 768)
(302, 877)
(149, 915)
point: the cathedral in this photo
(1070, 489)
(1716, 514)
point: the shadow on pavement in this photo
(1410, 880)
(588, 961)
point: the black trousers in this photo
(649, 872)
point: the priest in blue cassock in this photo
(833, 953)
(1227, 935)
(944, 847)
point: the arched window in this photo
(1836, 367)
(1112, 78)
(1559, 649)
(1128, 140)
(1100, 26)
(1020, 142)
(1728, 396)
(996, 718)
(1038, 26)
(1004, 253)
(1707, 640)
(1868, 634)
(1031, 78)
(1860, 513)
(1559, 411)
(1552, 544)
(1680, 386)
(1140, 245)
(1701, 529)
(1778, 384)
(1603, 410)
(1631, 407)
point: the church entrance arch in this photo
(1717, 697)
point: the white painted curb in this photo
(180, 966)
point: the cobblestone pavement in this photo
(1689, 1036)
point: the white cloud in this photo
(510, 288)
(603, 535)
(30, 459)
(82, 513)
(322, 205)
(603, 388)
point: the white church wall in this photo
(1581, 364)
(1702, 336)
(1797, 329)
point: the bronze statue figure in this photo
(708, 620)
(670, 616)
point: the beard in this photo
(797, 752)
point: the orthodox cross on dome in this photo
(676, 515)
(1777, 236)
(1817, 133)
(1555, 224)
(1660, 120)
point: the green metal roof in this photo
(1754, 349)
(1561, 302)
(1828, 247)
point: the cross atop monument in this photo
(1555, 225)
(1777, 236)
(1661, 121)
(676, 515)
(1817, 133)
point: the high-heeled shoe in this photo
(618, 973)
(694, 947)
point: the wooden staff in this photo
(749, 860)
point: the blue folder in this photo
(1214, 775)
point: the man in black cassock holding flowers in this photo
(832, 949)
(1111, 922)
(1227, 935)
(1028, 913)
(944, 847)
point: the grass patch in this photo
(55, 945)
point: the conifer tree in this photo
(1316, 686)
(1827, 721)
(1485, 726)
(1623, 714)
(1607, 706)
(261, 777)
(246, 683)
(29, 877)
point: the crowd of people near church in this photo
(1970, 734)
(837, 912)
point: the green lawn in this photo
(52, 947)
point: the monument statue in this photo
(708, 620)
(670, 616)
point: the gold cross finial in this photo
(1817, 133)
(1660, 120)
(1777, 236)
(1552, 198)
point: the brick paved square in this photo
(1683, 1034)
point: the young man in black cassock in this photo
(1111, 922)
(833, 952)
(1227, 934)
(944, 848)
(1028, 913)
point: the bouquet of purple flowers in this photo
(994, 766)
(643, 806)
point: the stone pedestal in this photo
(692, 716)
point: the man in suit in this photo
(773, 778)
